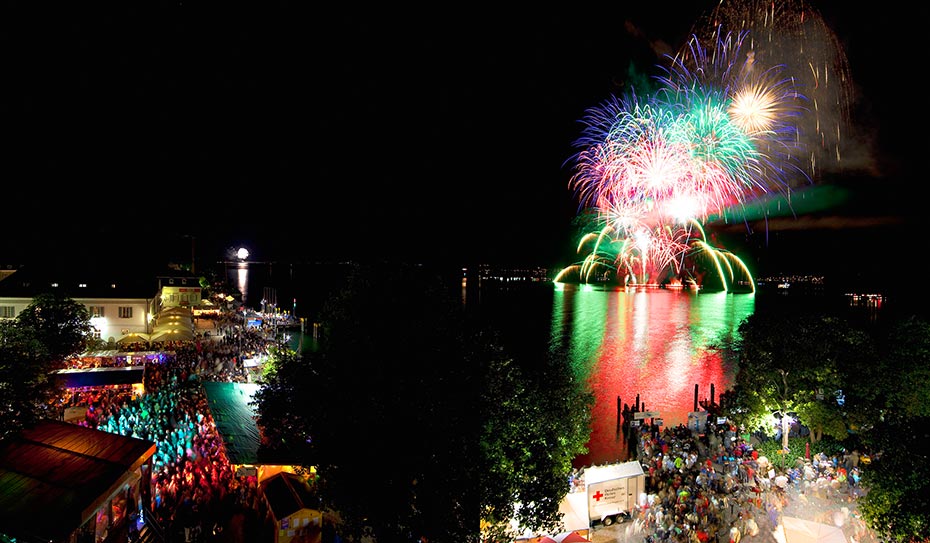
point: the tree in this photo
(286, 382)
(25, 389)
(34, 344)
(885, 383)
(61, 324)
(787, 362)
(896, 393)
(536, 420)
(906, 370)
(386, 409)
(897, 499)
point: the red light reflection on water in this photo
(655, 344)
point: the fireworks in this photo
(732, 120)
(793, 34)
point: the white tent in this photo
(798, 530)
(179, 334)
(181, 311)
(134, 337)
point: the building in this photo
(120, 304)
(294, 507)
(64, 483)
(179, 291)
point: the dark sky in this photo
(423, 133)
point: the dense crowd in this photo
(715, 488)
(194, 488)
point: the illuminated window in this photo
(125, 312)
(96, 311)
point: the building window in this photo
(96, 333)
(96, 311)
(7, 311)
(125, 312)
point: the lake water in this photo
(652, 345)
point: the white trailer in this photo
(613, 490)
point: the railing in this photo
(152, 522)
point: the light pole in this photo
(193, 239)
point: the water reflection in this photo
(242, 280)
(651, 345)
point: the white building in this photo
(118, 306)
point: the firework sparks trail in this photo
(793, 34)
(733, 119)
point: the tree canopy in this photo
(35, 343)
(61, 325)
(894, 424)
(418, 420)
(536, 420)
(865, 387)
(386, 409)
(795, 364)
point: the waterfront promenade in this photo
(692, 491)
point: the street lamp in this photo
(193, 240)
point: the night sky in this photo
(430, 133)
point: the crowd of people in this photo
(715, 487)
(193, 487)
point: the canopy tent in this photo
(798, 530)
(230, 405)
(180, 311)
(573, 508)
(565, 537)
(173, 334)
(135, 337)
(95, 377)
(173, 322)
(173, 318)
(235, 419)
(178, 319)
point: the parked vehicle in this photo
(613, 491)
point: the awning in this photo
(798, 530)
(95, 377)
(135, 337)
(173, 334)
(235, 419)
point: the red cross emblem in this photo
(597, 496)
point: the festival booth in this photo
(96, 377)
(103, 371)
(114, 358)
(294, 507)
(206, 309)
(62, 482)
